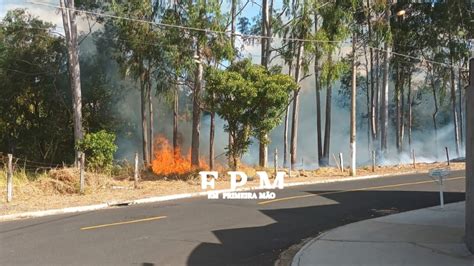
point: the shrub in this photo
(99, 148)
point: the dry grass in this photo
(60, 188)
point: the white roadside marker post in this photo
(135, 172)
(438, 175)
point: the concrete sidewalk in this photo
(432, 236)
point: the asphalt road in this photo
(200, 231)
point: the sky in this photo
(49, 13)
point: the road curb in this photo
(296, 259)
(32, 214)
(85, 208)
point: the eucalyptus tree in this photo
(335, 28)
(453, 22)
(297, 29)
(179, 61)
(317, 81)
(266, 32)
(385, 80)
(444, 40)
(372, 38)
(139, 59)
(201, 25)
(406, 32)
(70, 32)
(410, 33)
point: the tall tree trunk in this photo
(235, 157)
(268, 50)
(327, 128)
(378, 96)
(285, 138)
(373, 98)
(317, 88)
(454, 110)
(384, 101)
(265, 42)
(318, 120)
(233, 14)
(435, 113)
(398, 106)
(353, 107)
(410, 110)
(70, 30)
(263, 151)
(384, 120)
(294, 124)
(150, 117)
(211, 141)
(402, 112)
(368, 100)
(461, 116)
(196, 108)
(233, 17)
(175, 119)
(285, 131)
(143, 101)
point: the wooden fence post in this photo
(81, 171)
(10, 178)
(135, 174)
(373, 161)
(447, 155)
(414, 158)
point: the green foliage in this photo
(35, 99)
(138, 42)
(34, 108)
(250, 98)
(99, 148)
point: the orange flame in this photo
(169, 162)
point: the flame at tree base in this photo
(169, 162)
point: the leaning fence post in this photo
(441, 191)
(10, 178)
(81, 171)
(336, 161)
(447, 154)
(135, 174)
(341, 162)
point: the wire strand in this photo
(237, 34)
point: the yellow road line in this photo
(125, 222)
(352, 190)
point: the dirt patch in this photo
(59, 188)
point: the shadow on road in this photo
(262, 245)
